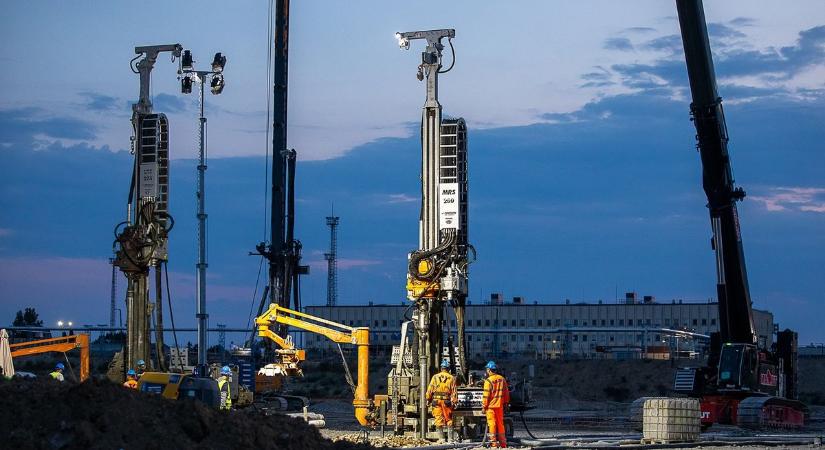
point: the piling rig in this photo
(141, 241)
(283, 251)
(744, 383)
(437, 273)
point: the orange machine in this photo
(60, 344)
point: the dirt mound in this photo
(98, 414)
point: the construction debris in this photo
(390, 441)
(99, 414)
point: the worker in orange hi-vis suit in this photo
(442, 395)
(496, 397)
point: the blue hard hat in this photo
(141, 362)
(445, 364)
(59, 366)
(491, 365)
(131, 373)
(225, 370)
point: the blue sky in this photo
(583, 176)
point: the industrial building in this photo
(629, 328)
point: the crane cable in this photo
(347, 373)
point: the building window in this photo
(584, 338)
(539, 338)
(495, 322)
(376, 324)
(621, 322)
(647, 322)
(704, 321)
(667, 322)
(713, 321)
(523, 322)
(575, 338)
(539, 322)
(469, 338)
(530, 338)
(486, 322)
(695, 322)
(611, 338)
(594, 322)
(513, 337)
(453, 323)
(575, 322)
(384, 323)
(558, 323)
(350, 323)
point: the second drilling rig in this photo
(437, 273)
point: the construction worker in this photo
(131, 379)
(57, 374)
(442, 395)
(496, 397)
(141, 367)
(224, 388)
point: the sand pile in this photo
(98, 414)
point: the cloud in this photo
(618, 43)
(786, 199)
(28, 125)
(169, 103)
(745, 72)
(399, 198)
(100, 102)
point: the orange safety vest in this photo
(496, 392)
(442, 387)
(131, 383)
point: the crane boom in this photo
(735, 313)
(60, 344)
(292, 357)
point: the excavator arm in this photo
(291, 357)
(61, 344)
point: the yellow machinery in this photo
(60, 344)
(176, 386)
(291, 357)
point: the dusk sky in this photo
(584, 179)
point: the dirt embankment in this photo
(97, 414)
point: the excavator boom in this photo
(61, 344)
(336, 332)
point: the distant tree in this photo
(27, 318)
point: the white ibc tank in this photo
(671, 419)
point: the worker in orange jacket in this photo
(442, 395)
(131, 379)
(496, 397)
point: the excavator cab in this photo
(737, 365)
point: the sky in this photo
(584, 181)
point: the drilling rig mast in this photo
(142, 238)
(437, 271)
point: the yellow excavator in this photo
(290, 357)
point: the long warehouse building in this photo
(630, 328)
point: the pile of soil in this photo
(98, 414)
